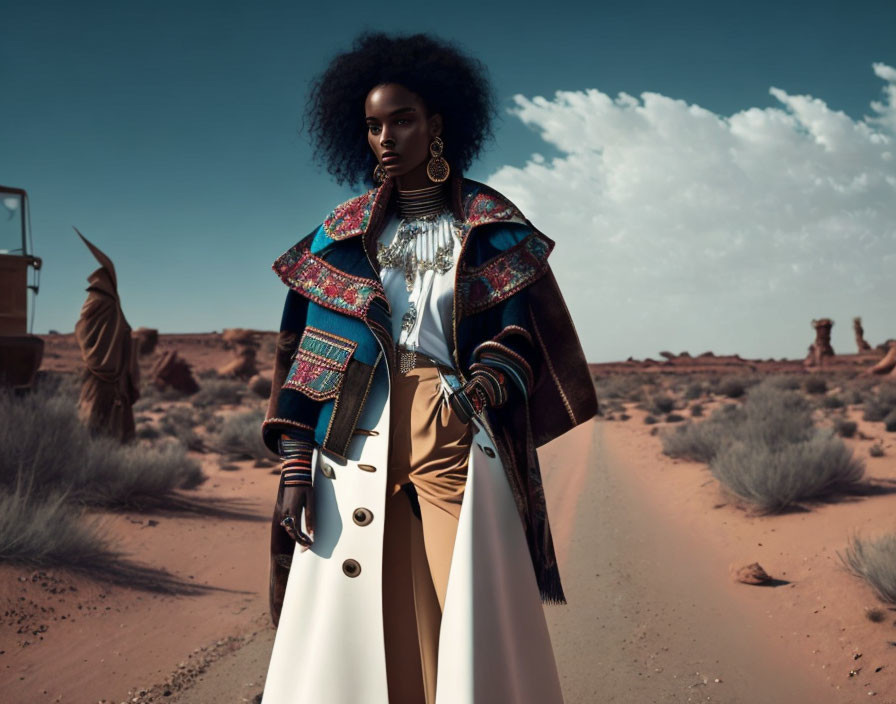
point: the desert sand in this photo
(646, 544)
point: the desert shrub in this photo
(887, 393)
(788, 382)
(876, 450)
(179, 422)
(890, 421)
(218, 392)
(767, 450)
(619, 386)
(875, 410)
(815, 384)
(649, 419)
(674, 418)
(151, 396)
(94, 470)
(240, 434)
(875, 562)
(697, 410)
(774, 417)
(48, 530)
(261, 387)
(833, 401)
(147, 431)
(693, 390)
(855, 397)
(776, 478)
(845, 428)
(731, 386)
(662, 403)
(702, 441)
(880, 404)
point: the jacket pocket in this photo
(318, 368)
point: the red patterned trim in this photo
(318, 369)
(481, 205)
(353, 217)
(323, 283)
(504, 274)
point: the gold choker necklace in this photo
(421, 202)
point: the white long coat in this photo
(494, 645)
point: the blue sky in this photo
(168, 134)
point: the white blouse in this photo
(421, 316)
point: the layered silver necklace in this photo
(418, 209)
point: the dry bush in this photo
(768, 451)
(43, 439)
(879, 405)
(774, 479)
(845, 428)
(240, 434)
(627, 387)
(702, 441)
(788, 382)
(219, 392)
(179, 422)
(875, 562)
(49, 530)
(815, 384)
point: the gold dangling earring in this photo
(379, 173)
(437, 168)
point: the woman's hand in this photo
(486, 387)
(295, 479)
(296, 500)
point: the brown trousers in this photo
(427, 473)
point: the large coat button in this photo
(352, 568)
(367, 467)
(327, 470)
(362, 516)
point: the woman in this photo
(425, 351)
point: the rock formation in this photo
(887, 365)
(172, 371)
(243, 367)
(860, 335)
(147, 339)
(245, 345)
(821, 348)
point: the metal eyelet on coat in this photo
(327, 470)
(352, 568)
(487, 450)
(362, 516)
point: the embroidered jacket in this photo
(509, 315)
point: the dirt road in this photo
(650, 616)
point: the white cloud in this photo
(678, 228)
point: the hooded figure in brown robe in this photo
(112, 377)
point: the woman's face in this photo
(399, 130)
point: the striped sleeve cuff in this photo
(513, 365)
(296, 449)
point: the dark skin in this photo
(397, 121)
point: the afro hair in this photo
(448, 81)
